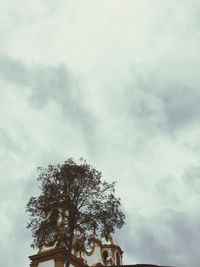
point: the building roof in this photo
(143, 265)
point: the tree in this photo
(74, 202)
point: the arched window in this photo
(105, 256)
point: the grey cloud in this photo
(17, 241)
(163, 105)
(168, 238)
(51, 83)
(166, 189)
(143, 244)
(153, 249)
(191, 178)
(58, 85)
(13, 234)
(181, 105)
(8, 194)
(147, 107)
(14, 70)
(7, 143)
(186, 231)
(147, 246)
(45, 85)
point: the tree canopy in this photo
(74, 202)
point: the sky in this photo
(117, 83)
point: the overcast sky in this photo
(115, 82)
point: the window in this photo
(105, 256)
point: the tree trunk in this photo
(68, 252)
(67, 258)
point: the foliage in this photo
(74, 202)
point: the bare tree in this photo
(74, 201)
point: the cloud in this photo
(181, 106)
(17, 233)
(169, 238)
(57, 84)
(119, 85)
(42, 87)
(51, 83)
(191, 177)
(170, 107)
(14, 71)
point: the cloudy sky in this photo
(116, 82)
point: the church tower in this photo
(98, 253)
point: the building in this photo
(97, 254)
